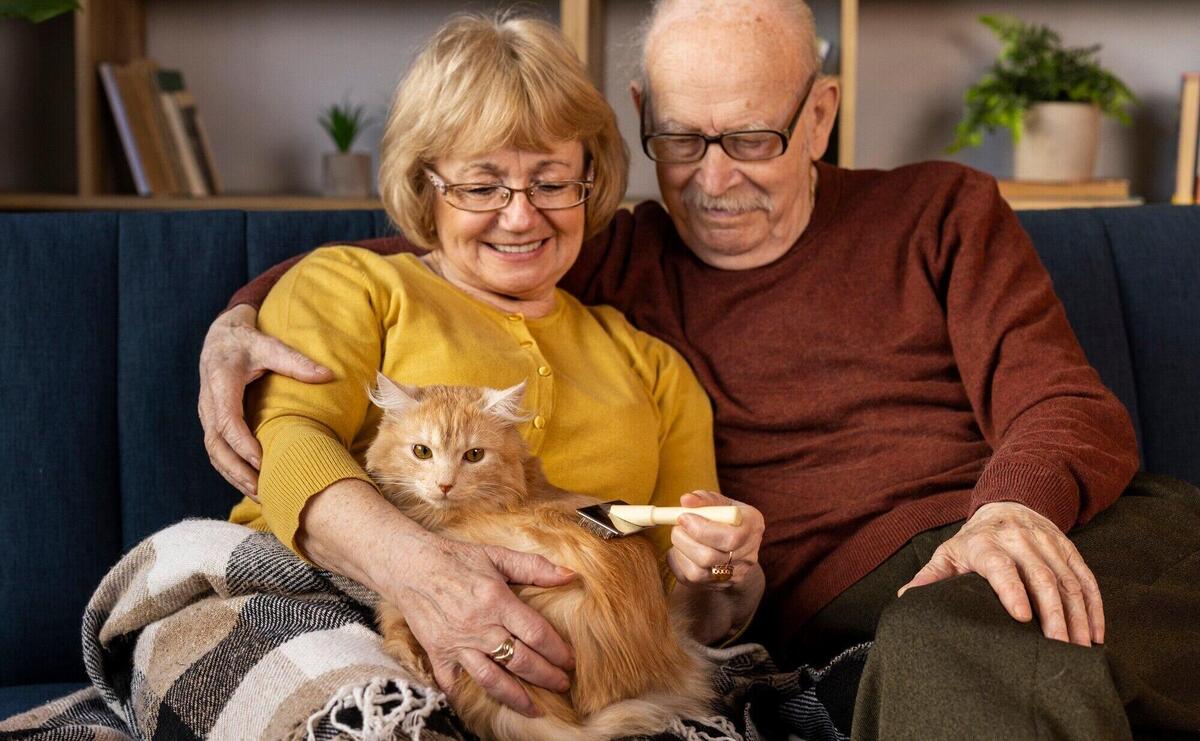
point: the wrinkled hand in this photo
(699, 544)
(1024, 557)
(235, 353)
(460, 608)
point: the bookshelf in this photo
(115, 31)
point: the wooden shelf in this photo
(69, 202)
(115, 31)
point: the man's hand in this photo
(235, 353)
(1024, 557)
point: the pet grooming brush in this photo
(617, 519)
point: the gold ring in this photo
(503, 653)
(723, 572)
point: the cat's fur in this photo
(635, 667)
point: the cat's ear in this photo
(505, 404)
(391, 396)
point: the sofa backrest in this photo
(102, 316)
(1130, 281)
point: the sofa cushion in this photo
(1156, 250)
(1074, 246)
(60, 510)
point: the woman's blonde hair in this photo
(484, 83)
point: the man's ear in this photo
(824, 100)
(635, 92)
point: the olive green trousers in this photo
(949, 663)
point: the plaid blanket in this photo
(212, 630)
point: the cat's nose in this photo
(445, 488)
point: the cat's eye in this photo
(474, 455)
(422, 452)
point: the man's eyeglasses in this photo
(751, 145)
(547, 196)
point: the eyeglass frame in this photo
(442, 187)
(784, 135)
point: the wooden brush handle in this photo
(646, 515)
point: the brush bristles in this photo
(595, 528)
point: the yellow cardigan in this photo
(618, 414)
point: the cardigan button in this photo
(539, 422)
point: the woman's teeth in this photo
(516, 249)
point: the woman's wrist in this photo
(342, 529)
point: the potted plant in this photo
(1049, 96)
(345, 174)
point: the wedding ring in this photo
(503, 653)
(723, 572)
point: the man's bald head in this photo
(750, 67)
(775, 31)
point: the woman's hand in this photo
(235, 353)
(460, 608)
(454, 596)
(701, 551)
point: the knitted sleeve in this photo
(1063, 443)
(328, 308)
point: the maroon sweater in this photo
(906, 362)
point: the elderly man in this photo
(895, 387)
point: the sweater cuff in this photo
(302, 465)
(1050, 494)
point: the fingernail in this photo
(564, 571)
(256, 461)
(533, 711)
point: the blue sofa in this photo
(102, 316)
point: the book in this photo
(160, 130)
(1186, 169)
(147, 72)
(1040, 204)
(1035, 189)
(134, 102)
(141, 101)
(172, 85)
(169, 83)
(129, 141)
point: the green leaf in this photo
(344, 122)
(36, 10)
(1033, 66)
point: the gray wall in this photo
(918, 57)
(262, 71)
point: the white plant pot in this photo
(1059, 143)
(346, 175)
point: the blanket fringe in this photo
(385, 706)
(720, 723)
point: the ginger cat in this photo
(636, 668)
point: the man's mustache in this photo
(737, 201)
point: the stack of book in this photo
(1187, 168)
(1033, 194)
(160, 130)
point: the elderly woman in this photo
(500, 158)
